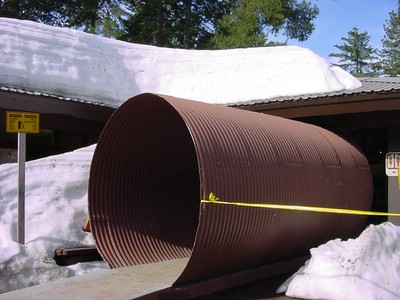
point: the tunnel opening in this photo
(144, 185)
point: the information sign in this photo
(392, 163)
(26, 122)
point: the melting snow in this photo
(56, 209)
(364, 268)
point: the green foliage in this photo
(94, 16)
(47, 12)
(299, 19)
(250, 21)
(390, 53)
(182, 24)
(239, 29)
(109, 22)
(356, 56)
(150, 22)
(191, 24)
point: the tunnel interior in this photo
(144, 185)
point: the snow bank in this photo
(56, 209)
(75, 64)
(364, 268)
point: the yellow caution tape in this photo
(213, 199)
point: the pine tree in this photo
(180, 24)
(357, 56)
(94, 16)
(239, 29)
(47, 12)
(390, 53)
(250, 21)
(190, 24)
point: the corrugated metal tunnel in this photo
(158, 156)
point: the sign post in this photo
(21, 187)
(21, 123)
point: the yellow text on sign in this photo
(17, 121)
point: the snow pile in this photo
(56, 209)
(364, 268)
(70, 63)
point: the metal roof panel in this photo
(369, 85)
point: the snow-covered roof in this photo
(77, 65)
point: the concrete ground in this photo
(260, 290)
(150, 281)
(116, 284)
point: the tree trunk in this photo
(188, 25)
(11, 8)
(160, 24)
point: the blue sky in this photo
(337, 17)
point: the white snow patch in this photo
(70, 63)
(364, 268)
(55, 211)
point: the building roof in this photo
(377, 101)
(370, 85)
(52, 96)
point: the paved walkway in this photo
(261, 290)
(149, 280)
(117, 284)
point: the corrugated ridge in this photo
(159, 156)
(250, 157)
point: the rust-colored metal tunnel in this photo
(158, 156)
